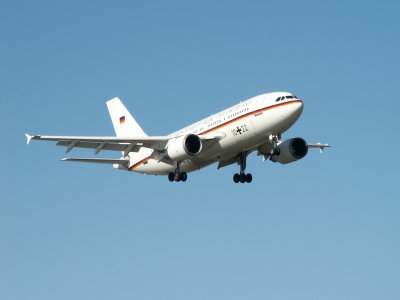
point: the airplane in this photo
(227, 137)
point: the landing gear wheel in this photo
(236, 178)
(171, 176)
(249, 178)
(242, 178)
(183, 176)
(177, 177)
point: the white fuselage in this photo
(243, 128)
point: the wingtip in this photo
(322, 147)
(28, 138)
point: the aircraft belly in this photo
(153, 167)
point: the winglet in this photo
(28, 138)
(322, 147)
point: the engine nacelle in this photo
(184, 146)
(291, 150)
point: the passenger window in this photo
(289, 97)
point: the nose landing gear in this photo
(275, 149)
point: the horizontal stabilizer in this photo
(122, 162)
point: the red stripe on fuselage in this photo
(139, 163)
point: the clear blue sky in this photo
(326, 227)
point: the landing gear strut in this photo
(275, 149)
(177, 175)
(242, 177)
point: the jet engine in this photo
(183, 147)
(290, 150)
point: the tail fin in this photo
(124, 123)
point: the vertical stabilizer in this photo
(124, 123)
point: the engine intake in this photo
(291, 150)
(184, 146)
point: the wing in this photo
(125, 144)
(319, 145)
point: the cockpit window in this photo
(280, 98)
(286, 97)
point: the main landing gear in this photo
(177, 175)
(242, 177)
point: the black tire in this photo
(177, 177)
(249, 178)
(277, 151)
(242, 178)
(236, 178)
(183, 176)
(171, 176)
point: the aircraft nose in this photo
(297, 108)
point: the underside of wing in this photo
(211, 139)
(227, 162)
